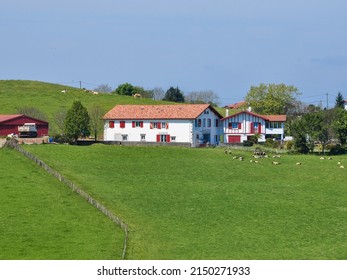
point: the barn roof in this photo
(6, 118)
(179, 111)
(271, 118)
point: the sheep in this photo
(240, 158)
(329, 158)
(338, 162)
(341, 166)
(64, 91)
(322, 158)
(137, 95)
(235, 157)
(298, 163)
(276, 163)
(94, 92)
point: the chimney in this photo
(226, 112)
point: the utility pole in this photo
(327, 100)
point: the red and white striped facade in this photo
(240, 126)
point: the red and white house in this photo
(192, 124)
(242, 125)
(10, 123)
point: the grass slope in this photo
(42, 219)
(183, 203)
(48, 98)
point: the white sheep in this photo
(64, 91)
(298, 163)
(341, 166)
(322, 158)
(276, 163)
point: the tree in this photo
(103, 88)
(96, 124)
(202, 97)
(77, 122)
(339, 101)
(174, 94)
(274, 99)
(125, 89)
(340, 126)
(59, 119)
(32, 112)
(157, 93)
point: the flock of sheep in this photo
(85, 90)
(260, 154)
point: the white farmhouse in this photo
(193, 124)
(242, 125)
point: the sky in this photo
(225, 46)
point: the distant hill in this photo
(49, 99)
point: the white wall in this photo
(176, 128)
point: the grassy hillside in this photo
(49, 99)
(42, 219)
(185, 203)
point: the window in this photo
(124, 137)
(163, 138)
(122, 124)
(198, 123)
(143, 137)
(208, 122)
(155, 125)
(234, 125)
(216, 123)
(111, 124)
(204, 122)
(173, 138)
(137, 124)
(206, 112)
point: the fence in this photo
(78, 190)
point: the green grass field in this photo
(48, 98)
(40, 218)
(183, 203)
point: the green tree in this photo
(77, 122)
(125, 89)
(340, 126)
(174, 94)
(274, 99)
(339, 101)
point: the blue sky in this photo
(222, 45)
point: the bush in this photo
(336, 149)
(289, 145)
(247, 143)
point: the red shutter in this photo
(252, 127)
(134, 124)
(167, 138)
(111, 124)
(158, 137)
(159, 125)
(239, 125)
(141, 124)
(167, 125)
(122, 124)
(259, 127)
(151, 125)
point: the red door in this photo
(234, 139)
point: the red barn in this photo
(9, 124)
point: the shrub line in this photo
(114, 218)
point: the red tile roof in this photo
(179, 111)
(237, 105)
(271, 118)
